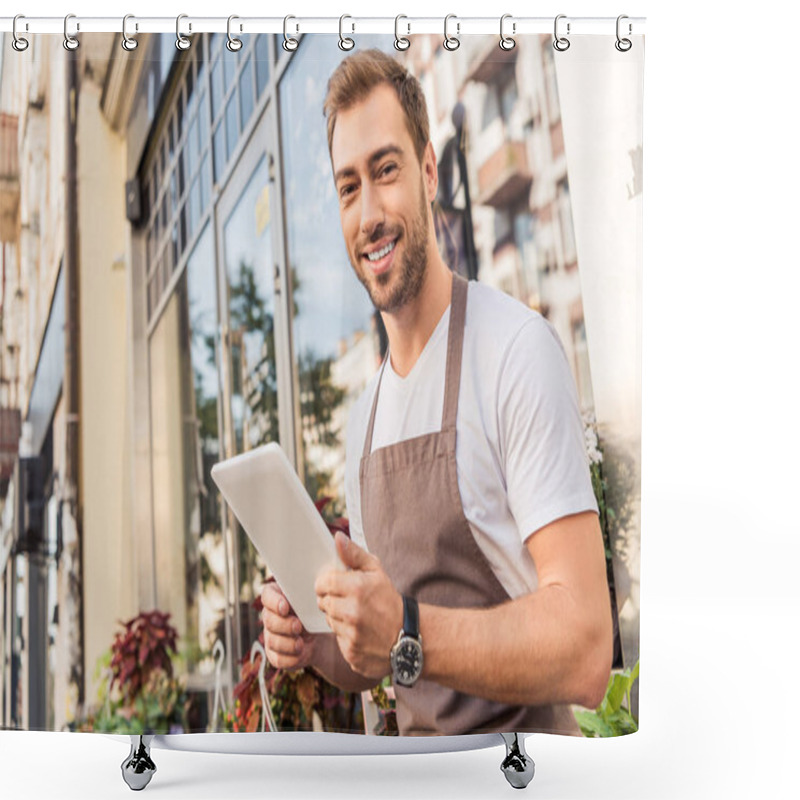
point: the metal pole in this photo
(469, 233)
(72, 511)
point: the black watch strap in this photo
(410, 617)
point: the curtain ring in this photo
(233, 44)
(345, 42)
(401, 42)
(182, 42)
(623, 45)
(451, 42)
(560, 43)
(506, 42)
(70, 42)
(128, 42)
(289, 43)
(18, 42)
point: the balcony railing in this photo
(490, 63)
(504, 176)
(10, 426)
(9, 178)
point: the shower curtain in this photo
(191, 268)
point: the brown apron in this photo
(414, 523)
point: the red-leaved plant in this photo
(246, 694)
(297, 694)
(339, 524)
(142, 649)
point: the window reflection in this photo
(219, 152)
(246, 91)
(217, 92)
(230, 61)
(185, 445)
(247, 248)
(262, 63)
(177, 214)
(231, 128)
(336, 347)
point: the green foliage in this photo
(611, 717)
(158, 708)
(138, 692)
(386, 708)
(600, 486)
(621, 480)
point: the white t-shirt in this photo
(520, 452)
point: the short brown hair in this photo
(359, 74)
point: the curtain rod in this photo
(407, 25)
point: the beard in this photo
(410, 270)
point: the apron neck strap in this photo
(455, 340)
(452, 378)
(371, 425)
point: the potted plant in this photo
(611, 717)
(139, 692)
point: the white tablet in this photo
(276, 512)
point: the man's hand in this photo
(288, 644)
(363, 608)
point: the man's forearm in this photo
(329, 662)
(533, 650)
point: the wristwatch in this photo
(406, 656)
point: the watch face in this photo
(407, 661)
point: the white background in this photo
(720, 598)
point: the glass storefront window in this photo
(185, 444)
(234, 92)
(219, 152)
(231, 126)
(202, 117)
(246, 102)
(247, 244)
(189, 87)
(192, 151)
(217, 91)
(253, 379)
(230, 62)
(262, 63)
(178, 213)
(200, 59)
(194, 205)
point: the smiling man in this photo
(476, 568)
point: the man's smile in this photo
(380, 256)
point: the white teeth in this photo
(378, 254)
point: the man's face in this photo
(383, 196)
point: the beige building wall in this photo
(109, 585)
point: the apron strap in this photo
(452, 378)
(371, 425)
(455, 340)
